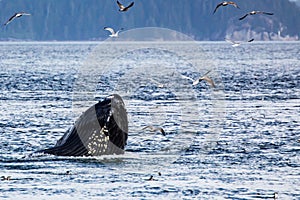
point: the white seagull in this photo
(233, 43)
(254, 13)
(124, 8)
(202, 78)
(16, 15)
(113, 33)
(236, 44)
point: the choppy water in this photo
(238, 141)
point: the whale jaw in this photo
(100, 130)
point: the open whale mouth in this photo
(100, 130)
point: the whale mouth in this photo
(100, 130)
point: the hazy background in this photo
(84, 20)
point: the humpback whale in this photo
(100, 130)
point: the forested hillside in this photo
(85, 19)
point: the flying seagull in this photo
(123, 8)
(16, 15)
(207, 79)
(113, 33)
(226, 3)
(202, 78)
(151, 178)
(236, 44)
(153, 129)
(254, 13)
(233, 43)
(5, 178)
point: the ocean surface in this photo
(239, 140)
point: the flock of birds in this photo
(226, 3)
(254, 12)
(113, 33)
(123, 8)
(205, 77)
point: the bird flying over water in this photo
(151, 178)
(16, 15)
(202, 78)
(124, 8)
(254, 13)
(226, 3)
(207, 79)
(235, 44)
(153, 129)
(113, 33)
(5, 178)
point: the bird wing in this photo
(24, 13)
(110, 30)
(267, 13)
(130, 5)
(150, 127)
(162, 131)
(120, 5)
(121, 29)
(186, 77)
(207, 73)
(195, 82)
(201, 78)
(234, 4)
(244, 16)
(209, 80)
(217, 7)
(11, 19)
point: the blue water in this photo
(239, 140)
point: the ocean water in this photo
(240, 140)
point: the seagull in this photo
(233, 43)
(16, 15)
(123, 8)
(207, 79)
(255, 12)
(236, 44)
(151, 178)
(113, 33)
(153, 129)
(203, 78)
(226, 3)
(5, 178)
(68, 172)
